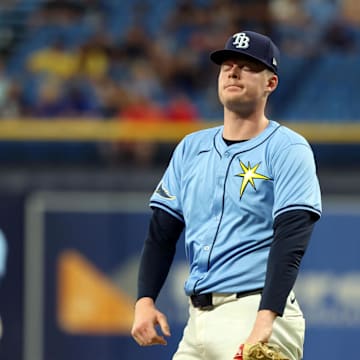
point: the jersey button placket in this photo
(219, 191)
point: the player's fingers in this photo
(157, 340)
(137, 336)
(148, 341)
(165, 328)
(140, 334)
(151, 337)
(146, 336)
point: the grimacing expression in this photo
(244, 82)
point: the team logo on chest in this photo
(248, 175)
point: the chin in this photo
(235, 101)
(231, 96)
(239, 106)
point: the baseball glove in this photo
(260, 351)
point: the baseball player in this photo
(247, 196)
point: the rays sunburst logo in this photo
(248, 175)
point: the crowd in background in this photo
(144, 59)
(148, 60)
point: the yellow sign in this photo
(88, 303)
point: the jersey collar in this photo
(221, 146)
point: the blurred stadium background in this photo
(94, 95)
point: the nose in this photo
(234, 73)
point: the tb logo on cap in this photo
(241, 40)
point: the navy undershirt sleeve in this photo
(292, 232)
(158, 252)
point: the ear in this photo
(272, 82)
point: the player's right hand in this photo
(146, 319)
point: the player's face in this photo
(244, 82)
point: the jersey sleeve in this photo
(296, 186)
(167, 195)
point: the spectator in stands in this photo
(50, 100)
(93, 56)
(253, 15)
(55, 59)
(143, 80)
(109, 96)
(294, 27)
(10, 95)
(136, 43)
(12, 106)
(4, 86)
(59, 13)
(350, 11)
(142, 110)
(339, 36)
(80, 101)
(183, 20)
(184, 72)
(181, 109)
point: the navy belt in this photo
(204, 301)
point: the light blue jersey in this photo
(228, 198)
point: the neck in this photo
(237, 127)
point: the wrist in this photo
(266, 315)
(145, 301)
(263, 327)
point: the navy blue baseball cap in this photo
(256, 46)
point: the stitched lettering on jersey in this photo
(248, 175)
(163, 192)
